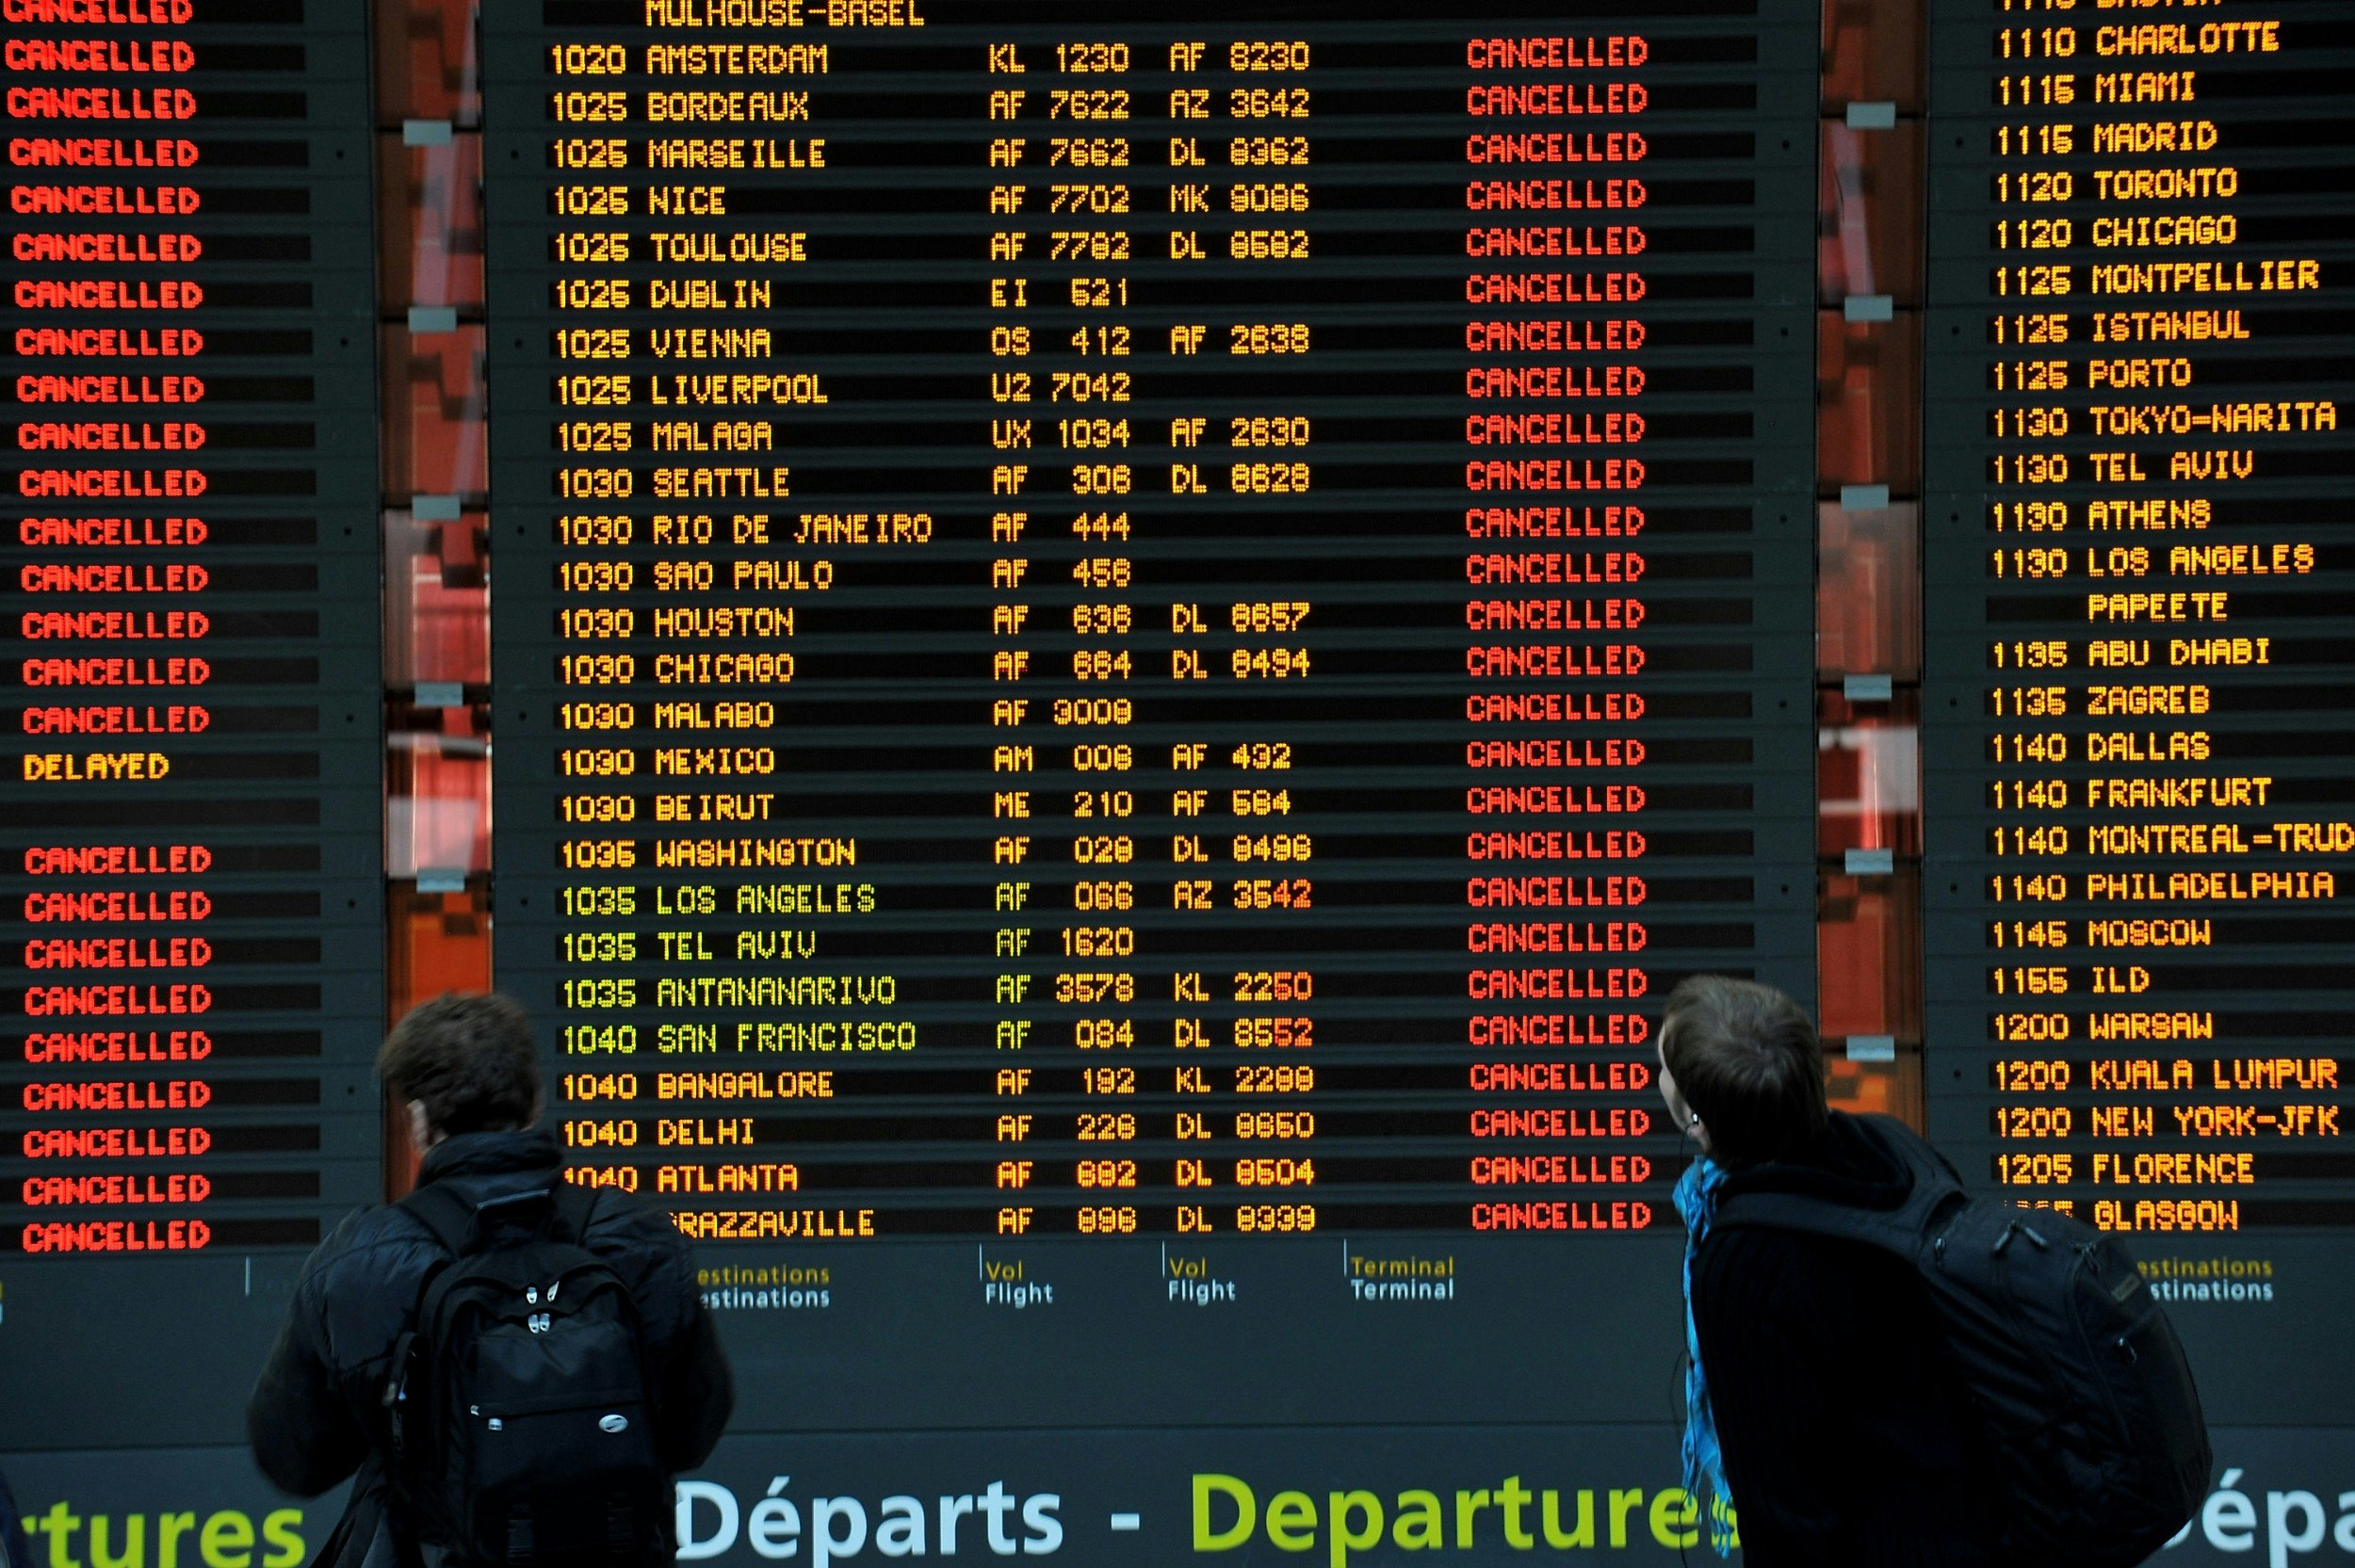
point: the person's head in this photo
(1741, 1069)
(463, 1064)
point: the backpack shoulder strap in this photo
(574, 1208)
(450, 1216)
(457, 1224)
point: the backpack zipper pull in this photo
(2030, 1232)
(2005, 1240)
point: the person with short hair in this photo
(1819, 1402)
(465, 1070)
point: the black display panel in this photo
(1130, 647)
(189, 863)
(2136, 790)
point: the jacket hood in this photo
(1854, 1161)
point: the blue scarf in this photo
(1697, 1196)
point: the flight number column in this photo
(1239, 149)
(1270, 105)
(1061, 479)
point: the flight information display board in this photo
(189, 862)
(1153, 630)
(2140, 551)
(1132, 645)
(1132, 642)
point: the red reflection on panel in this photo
(1880, 1088)
(437, 605)
(1868, 196)
(1868, 591)
(1868, 775)
(437, 789)
(1868, 931)
(434, 194)
(1868, 983)
(437, 943)
(434, 408)
(426, 66)
(1872, 54)
(1868, 411)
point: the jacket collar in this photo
(492, 1154)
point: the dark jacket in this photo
(316, 1415)
(1849, 1441)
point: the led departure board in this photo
(1141, 631)
(190, 870)
(1130, 646)
(2138, 797)
(1130, 643)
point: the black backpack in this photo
(518, 1405)
(2095, 1435)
